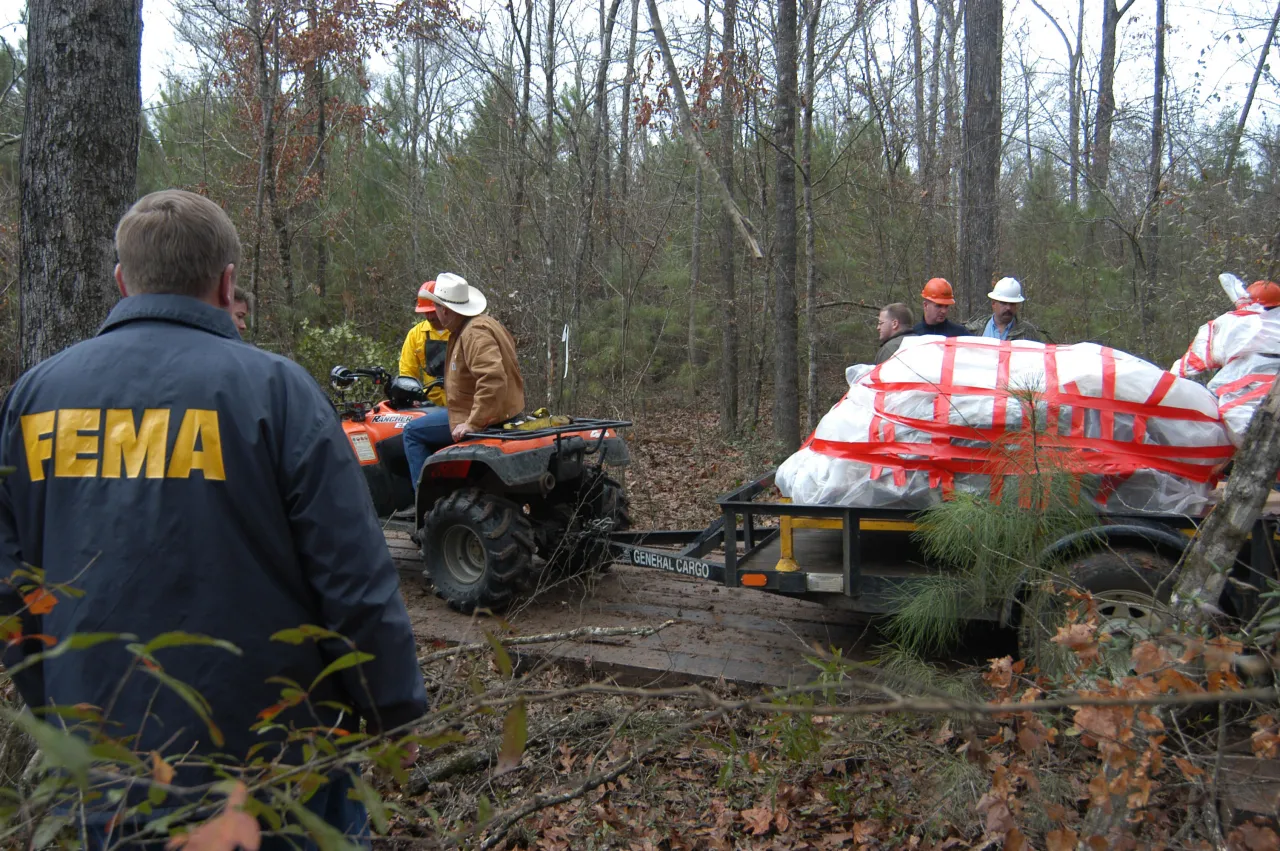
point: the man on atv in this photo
(423, 358)
(422, 355)
(482, 382)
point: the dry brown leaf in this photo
(1062, 839)
(1255, 837)
(161, 771)
(758, 819)
(230, 830)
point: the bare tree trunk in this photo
(1073, 93)
(786, 399)
(928, 176)
(728, 298)
(78, 165)
(813, 10)
(553, 285)
(519, 202)
(624, 143)
(1106, 107)
(267, 89)
(695, 235)
(1151, 237)
(316, 92)
(979, 203)
(917, 65)
(1248, 101)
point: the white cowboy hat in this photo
(453, 291)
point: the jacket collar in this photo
(181, 309)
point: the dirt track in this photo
(742, 635)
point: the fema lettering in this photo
(110, 444)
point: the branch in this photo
(694, 139)
(546, 638)
(861, 304)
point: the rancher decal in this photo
(91, 443)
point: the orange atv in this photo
(492, 512)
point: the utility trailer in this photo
(865, 560)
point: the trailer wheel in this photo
(1131, 590)
(478, 549)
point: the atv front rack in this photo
(575, 425)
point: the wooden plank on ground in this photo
(738, 634)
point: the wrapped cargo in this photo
(977, 415)
(1244, 346)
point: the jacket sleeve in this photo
(345, 559)
(484, 359)
(410, 362)
(30, 681)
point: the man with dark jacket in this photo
(938, 300)
(182, 480)
(894, 324)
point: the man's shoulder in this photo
(978, 323)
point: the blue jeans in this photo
(425, 435)
(330, 802)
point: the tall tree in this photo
(79, 163)
(786, 397)
(980, 174)
(1253, 89)
(728, 294)
(1100, 158)
(1151, 235)
(1073, 93)
(813, 8)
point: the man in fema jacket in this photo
(182, 480)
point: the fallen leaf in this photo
(758, 819)
(1256, 837)
(1149, 657)
(161, 771)
(1189, 769)
(1062, 839)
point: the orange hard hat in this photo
(426, 305)
(938, 291)
(1265, 293)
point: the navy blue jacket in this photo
(946, 328)
(185, 480)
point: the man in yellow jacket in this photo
(422, 356)
(482, 376)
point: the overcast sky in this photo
(1204, 38)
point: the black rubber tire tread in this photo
(1121, 569)
(506, 536)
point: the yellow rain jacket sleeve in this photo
(422, 357)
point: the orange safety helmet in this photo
(426, 305)
(938, 291)
(1265, 293)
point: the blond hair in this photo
(244, 297)
(175, 242)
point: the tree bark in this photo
(1100, 168)
(979, 179)
(316, 91)
(624, 141)
(1073, 94)
(728, 302)
(813, 10)
(519, 202)
(78, 165)
(1203, 570)
(1248, 101)
(1151, 235)
(786, 398)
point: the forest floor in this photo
(692, 775)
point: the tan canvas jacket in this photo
(482, 378)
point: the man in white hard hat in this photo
(482, 381)
(1003, 323)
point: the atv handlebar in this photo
(341, 377)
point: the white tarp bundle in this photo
(1244, 346)
(946, 414)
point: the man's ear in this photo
(227, 286)
(120, 282)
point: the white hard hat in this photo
(1007, 290)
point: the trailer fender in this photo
(1158, 539)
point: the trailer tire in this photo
(1131, 589)
(478, 550)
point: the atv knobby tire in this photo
(1131, 590)
(478, 549)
